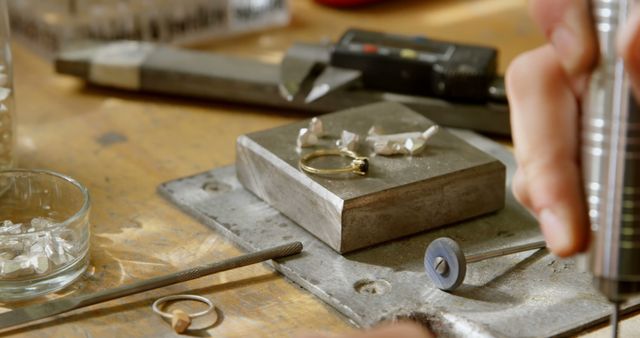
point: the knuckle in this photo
(534, 69)
(518, 72)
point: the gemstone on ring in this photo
(361, 165)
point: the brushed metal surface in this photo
(529, 294)
(449, 181)
(611, 160)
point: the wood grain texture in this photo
(121, 146)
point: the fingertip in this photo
(561, 231)
(557, 201)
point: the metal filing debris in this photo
(446, 264)
(39, 311)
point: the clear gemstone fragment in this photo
(37, 248)
(375, 130)
(414, 146)
(41, 223)
(18, 266)
(316, 127)
(10, 266)
(348, 140)
(388, 148)
(36, 253)
(10, 228)
(40, 263)
(411, 143)
(430, 132)
(60, 259)
(4, 93)
(6, 255)
(306, 138)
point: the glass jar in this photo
(44, 232)
(7, 111)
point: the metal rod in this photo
(39, 311)
(506, 251)
(615, 319)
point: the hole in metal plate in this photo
(372, 287)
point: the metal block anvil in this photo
(401, 195)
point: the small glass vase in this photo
(7, 110)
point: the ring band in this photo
(359, 164)
(156, 305)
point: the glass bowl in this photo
(44, 232)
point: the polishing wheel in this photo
(445, 263)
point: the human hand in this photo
(399, 330)
(545, 87)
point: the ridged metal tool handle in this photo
(611, 160)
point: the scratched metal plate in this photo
(525, 295)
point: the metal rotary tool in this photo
(611, 163)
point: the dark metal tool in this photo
(403, 64)
(300, 60)
(165, 70)
(446, 264)
(611, 163)
(39, 311)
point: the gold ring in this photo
(359, 164)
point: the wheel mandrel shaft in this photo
(446, 264)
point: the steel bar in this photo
(506, 251)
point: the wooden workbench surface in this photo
(123, 145)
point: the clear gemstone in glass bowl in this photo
(44, 232)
